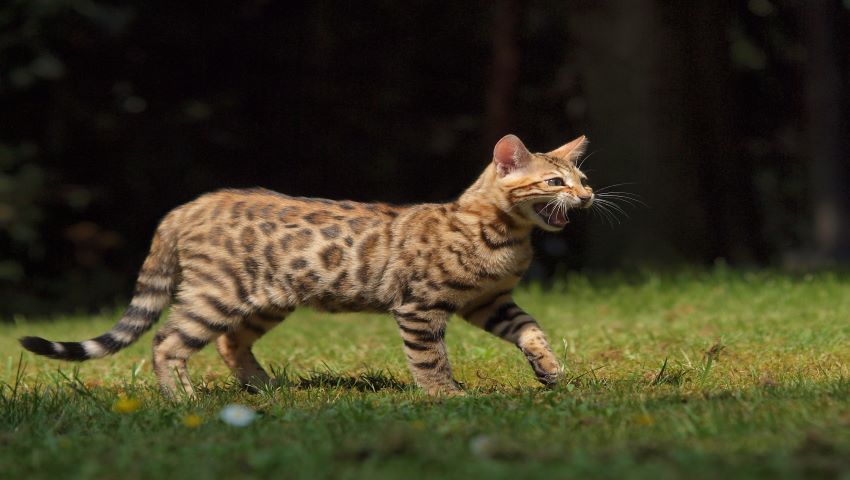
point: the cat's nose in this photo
(585, 198)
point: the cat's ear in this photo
(571, 151)
(510, 154)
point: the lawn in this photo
(698, 374)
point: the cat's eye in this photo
(555, 182)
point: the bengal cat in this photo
(239, 261)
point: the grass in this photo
(692, 374)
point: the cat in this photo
(238, 262)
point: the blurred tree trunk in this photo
(504, 72)
(725, 173)
(825, 130)
(633, 78)
(659, 75)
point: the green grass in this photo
(694, 374)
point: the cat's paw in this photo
(550, 379)
(452, 390)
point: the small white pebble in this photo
(237, 415)
(482, 446)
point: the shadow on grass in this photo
(368, 381)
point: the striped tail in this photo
(154, 287)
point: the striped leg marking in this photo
(235, 348)
(423, 330)
(500, 316)
(189, 328)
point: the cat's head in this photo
(541, 187)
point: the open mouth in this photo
(551, 214)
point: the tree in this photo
(825, 131)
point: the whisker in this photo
(626, 197)
(625, 194)
(547, 206)
(562, 206)
(604, 214)
(612, 208)
(550, 215)
(605, 211)
(612, 215)
(613, 205)
(628, 201)
(585, 159)
(602, 189)
(558, 202)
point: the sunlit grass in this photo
(668, 375)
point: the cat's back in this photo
(315, 251)
(258, 212)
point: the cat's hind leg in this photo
(186, 332)
(235, 347)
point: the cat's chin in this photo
(552, 218)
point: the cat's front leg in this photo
(423, 332)
(502, 317)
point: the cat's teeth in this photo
(551, 214)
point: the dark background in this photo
(729, 119)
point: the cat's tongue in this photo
(556, 217)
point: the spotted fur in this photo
(235, 263)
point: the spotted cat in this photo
(237, 262)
